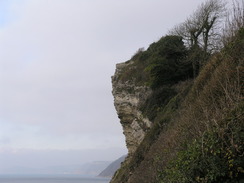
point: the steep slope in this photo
(112, 168)
(195, 133)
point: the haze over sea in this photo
(50, 179)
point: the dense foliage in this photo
(165, 62)
(157, 100)
(168, 63)
(216, 156)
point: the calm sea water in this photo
(51, 179)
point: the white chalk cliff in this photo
(127, 99)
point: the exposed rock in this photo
(127, 99)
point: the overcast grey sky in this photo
(56, 62)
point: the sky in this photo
(56, 62)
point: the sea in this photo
(51, 179)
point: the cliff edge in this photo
(127, 99)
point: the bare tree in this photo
(189, 31)
(201, 31)
(234, 21)
(211, 13)
(202, 27)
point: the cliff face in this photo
(127, 99)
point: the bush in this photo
(157, 101)
(217, 156)
(168, 65)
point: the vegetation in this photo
(163, 63)
(216, 156)
(201, 31)
(196, 103)
(168, 66)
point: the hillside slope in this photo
(189, 130)
(112, 168)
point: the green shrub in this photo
(215, 157)
(157, 101)
(168, 65)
